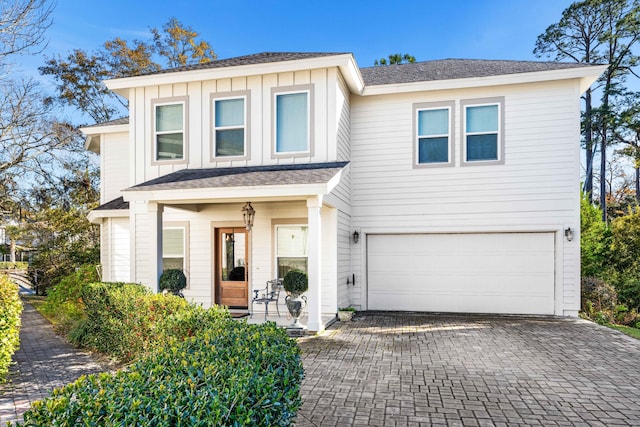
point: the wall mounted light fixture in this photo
(568, 233)
(248, 214)
(356, 236)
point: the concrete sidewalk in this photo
(43, 362)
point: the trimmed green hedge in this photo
(121, 318)
(10, 311)
(227, 374)
(6, 265)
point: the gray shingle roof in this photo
(114, 204)
(257, 58)
(120, 121)
(449, 69)
(311, 173)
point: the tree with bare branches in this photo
(22, 26)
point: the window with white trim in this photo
(169, 126)
(230, 133)
(174, 248)
(433, 135)
(483, 132)
(291, 248)
(292, 122)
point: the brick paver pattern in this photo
(43, 362)
(431, 369)
(404, 369)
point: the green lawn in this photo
(627, 330)
(38, 302)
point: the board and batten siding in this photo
(536, 189)
(260, 123)
(114, 165)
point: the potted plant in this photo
(173, 280)
(295, 283)
(345, 314)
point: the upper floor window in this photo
(483, 131)
(169, 123)
(293, 127)
(230, 125)
(434, 134)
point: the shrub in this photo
(600, 294)
(296, 282)
(173, 280)
(10, 310)
(7, 265)
(64, 300)
(602, 318)
(121, 318)
(229, 373)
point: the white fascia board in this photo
(586, 74)
(96, 216)
(352, 75)
(210, 195)
(345, 61)
(97, 130)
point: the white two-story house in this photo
(443, 186)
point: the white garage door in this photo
(465, 273)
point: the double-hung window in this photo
(230, 119)
(169, 129)
(483, 131)
(291, 248)
(292, 121)
(434, 134)
(174, 247)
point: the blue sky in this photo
(427, 29)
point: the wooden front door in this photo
(231, 284)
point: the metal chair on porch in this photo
(269, 294)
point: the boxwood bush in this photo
(121, 318)
(10, 311)
(227, 374)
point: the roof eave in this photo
(96, 216)
(345, 62)
(587, 76)
(98, 129)
(226, 194)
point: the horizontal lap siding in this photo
(120, 248)
(114, 167)
(343, 193)
(537, 188)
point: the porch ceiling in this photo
(273, 182)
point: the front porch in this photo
(285, 319)
(225, 258)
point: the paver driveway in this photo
(399, 369)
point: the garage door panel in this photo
(482, 273)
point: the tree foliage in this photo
(79, 76)
(58, 226)
(610, 252)
(597, 32)
(395, 58)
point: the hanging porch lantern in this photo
(248, 213)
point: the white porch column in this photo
(154, 218)
(314, 205)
